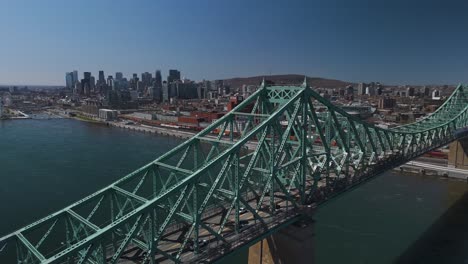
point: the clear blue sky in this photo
(419, 42)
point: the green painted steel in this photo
(260, 166)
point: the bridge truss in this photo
(254, 170)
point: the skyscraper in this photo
(92, 84)
(158, 93)
(87, 75)
(118, 76)
(78, 89)
(174, 75)
(158, 79)
(86, 83)
(86, 89)
(110, 82)
(146, 78)
(69, 80)
(75, 77)
(102, 78)
(165, 92)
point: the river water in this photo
(47, 164)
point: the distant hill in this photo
(294, 79)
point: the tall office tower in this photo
(174, 75)
(146, 78)
(87, 75)
(135, 76)
(102, 78)
(78, 89)
(118, 76)
(151, 92)
(173, 89)
(158, 79)
(110, 82)
(158, 93)
(361, 88)
(92, 84)
(200, 89)
(75, 77)
(140, 86)
(86, 89)
(165, 92)
(69, 80)
(85, 82)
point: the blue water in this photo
(47, 164)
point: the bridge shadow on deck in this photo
(446, 241)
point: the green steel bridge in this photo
(264, 165)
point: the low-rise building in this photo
(387, 103)
(145, 116)
(107, 114)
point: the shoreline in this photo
(154, 130)
(137, 128)
(429, 169)
(86, 119)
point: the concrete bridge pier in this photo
(458, 157)
(291, 245)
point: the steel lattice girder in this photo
(254, 169)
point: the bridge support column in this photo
(291, 245)
(458, 157)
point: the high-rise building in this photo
(174, 75)
(118, 76)
(86, 83)
(92, 84)
(102, 78)
(78, 89)
(361, 89)
(110, 82)
(187, 90)
(69, 80)
(173, 89)
(75, 77)
(158, 93)
(165, 92)
(86, 89)
(146, 79)
(87, 75)
(158, 79)
(140, 86)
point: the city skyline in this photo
(396, 43)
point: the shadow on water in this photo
(446, 241)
